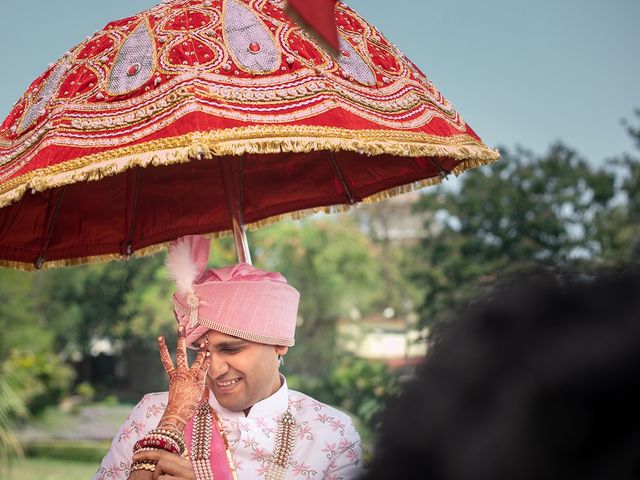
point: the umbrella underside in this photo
(136, 211)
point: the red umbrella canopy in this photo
(130, 139)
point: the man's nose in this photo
(217, 366)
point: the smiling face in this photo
(241, 373)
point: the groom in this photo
(231, 415)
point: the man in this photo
(230, 415)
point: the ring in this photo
(170, 371)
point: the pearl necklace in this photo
(201, 445)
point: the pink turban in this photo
(238, 300)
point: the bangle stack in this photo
(157, 439)
(172, 435)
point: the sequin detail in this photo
(353, 64)
(49, 89)
(242, 28)
(135, 62)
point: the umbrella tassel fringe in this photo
(206, 146)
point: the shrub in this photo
(46, 378)
(69, 450)
(86, 391)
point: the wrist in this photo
(172, 422)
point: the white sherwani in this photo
(327, 445)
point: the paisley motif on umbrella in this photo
(201, 116)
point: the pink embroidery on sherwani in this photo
(112, 471)
(259, 454)
(261, 422)
(303, 470)
(329, 449)
(337, 425)
(126, 433)
(304, 432)
(353, 456)
(137, 427)
(154, 410)
(250, 443)
(262, 469)
(322, 417)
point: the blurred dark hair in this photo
(540, 380)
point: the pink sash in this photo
(218, 457)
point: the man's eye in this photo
(230, 349)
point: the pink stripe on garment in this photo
(218, 457)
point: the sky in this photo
(520, 73)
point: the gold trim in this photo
(72, 262)
(226, 329)
(263, 139)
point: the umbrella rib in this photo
(241, 183)
(136, 187)
(236, 209)
(350, 198)
(444, 174)
(41, 258)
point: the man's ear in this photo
(281, 349)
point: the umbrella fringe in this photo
(249, 140)
(72, 262)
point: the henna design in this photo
(186, 384)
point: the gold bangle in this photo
(146, 465)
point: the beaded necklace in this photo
(201, 445)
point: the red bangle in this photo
(158, 443)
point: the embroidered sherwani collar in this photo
(271, 406)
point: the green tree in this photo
(520, 213)
(619, 228)
(28, 343)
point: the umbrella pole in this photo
(235, 207)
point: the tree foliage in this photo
(555, 211)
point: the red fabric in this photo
(319, 15)
(158, 443)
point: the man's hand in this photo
(186, 385)
(169, 466)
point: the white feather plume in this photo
(182, 267)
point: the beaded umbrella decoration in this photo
(205, 116)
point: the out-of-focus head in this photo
(539, 380)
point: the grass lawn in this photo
(45, 469)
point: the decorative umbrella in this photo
(206, 116)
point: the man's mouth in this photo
(227, 383)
